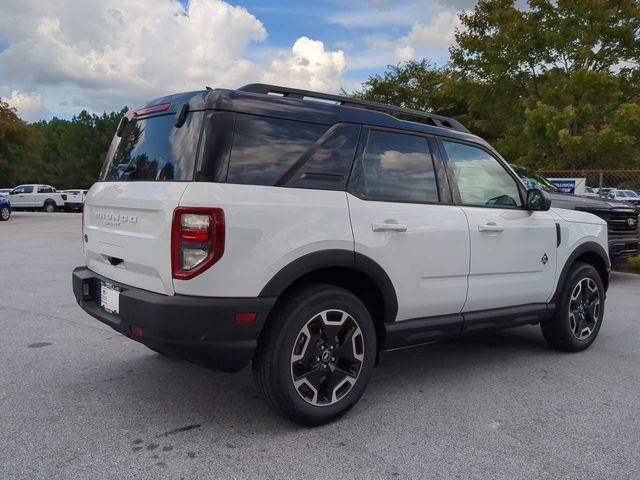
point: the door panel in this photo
(513, 257)
(513, 250)
(427, 262)
(398, 222)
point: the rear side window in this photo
(397, 168)
(265, 148)
(155, 150)
(45, 189)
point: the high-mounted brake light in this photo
(197, 240)
(161, 107)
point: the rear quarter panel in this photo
(266, 229)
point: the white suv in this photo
(306, 237)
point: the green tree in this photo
(554, 85)
(19, 147)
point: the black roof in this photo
(308, 106)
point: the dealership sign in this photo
(575, 186)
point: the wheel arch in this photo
(347, 269)
(588, 252)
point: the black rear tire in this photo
(324, 330)
(49, 207)
(576, 322)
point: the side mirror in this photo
(538, 200)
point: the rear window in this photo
(154, 150)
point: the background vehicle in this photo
(310, 236)
(590, 192)
(5, 209)
(37, 197)
(75, 199)
(4, 192)
(628, 196)
(621, 218)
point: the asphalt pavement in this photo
(79, 401)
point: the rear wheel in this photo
(579, 311)
(5, 213)
(316, 358)
(49, 206)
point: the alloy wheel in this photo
(327, 357)
(584, 308)
(5, 213)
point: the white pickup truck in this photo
(36, 197)
(75, 199)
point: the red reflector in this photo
(197, 236)
(246, 318)
(153, 109)
(137, 332)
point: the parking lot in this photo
(79, 401)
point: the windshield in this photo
(154, 149)
(531, 180)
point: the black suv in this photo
(621, 218)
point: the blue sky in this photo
(57, 58)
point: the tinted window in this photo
(328, 163)
(480, 178)
(45, 189)
(264, 148)
(155, 149)
(397, 167)
(22, 189)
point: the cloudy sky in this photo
(58, 57)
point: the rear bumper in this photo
(623, 246)
(199, 329)
(73, 205)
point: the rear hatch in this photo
(128, 213)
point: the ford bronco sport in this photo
(307, 233)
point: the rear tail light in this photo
(197, 240)
(64, 196)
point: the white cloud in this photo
(28, 104)
(441, 33)
(308, 65)
(104, 54)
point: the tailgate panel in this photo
(128, 228)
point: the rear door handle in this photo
(490, 227)
(389, 227)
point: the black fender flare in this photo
(312, 262)
(587, 247)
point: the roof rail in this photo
(398, 112)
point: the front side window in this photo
(22, 189)
(480, 179)
(397, 168)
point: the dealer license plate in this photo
(110, 297)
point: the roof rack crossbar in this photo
(399, 112)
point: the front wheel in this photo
(579, 312)
(5, 213)
(317, 355)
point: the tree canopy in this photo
(554, 85)
(62, 153)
